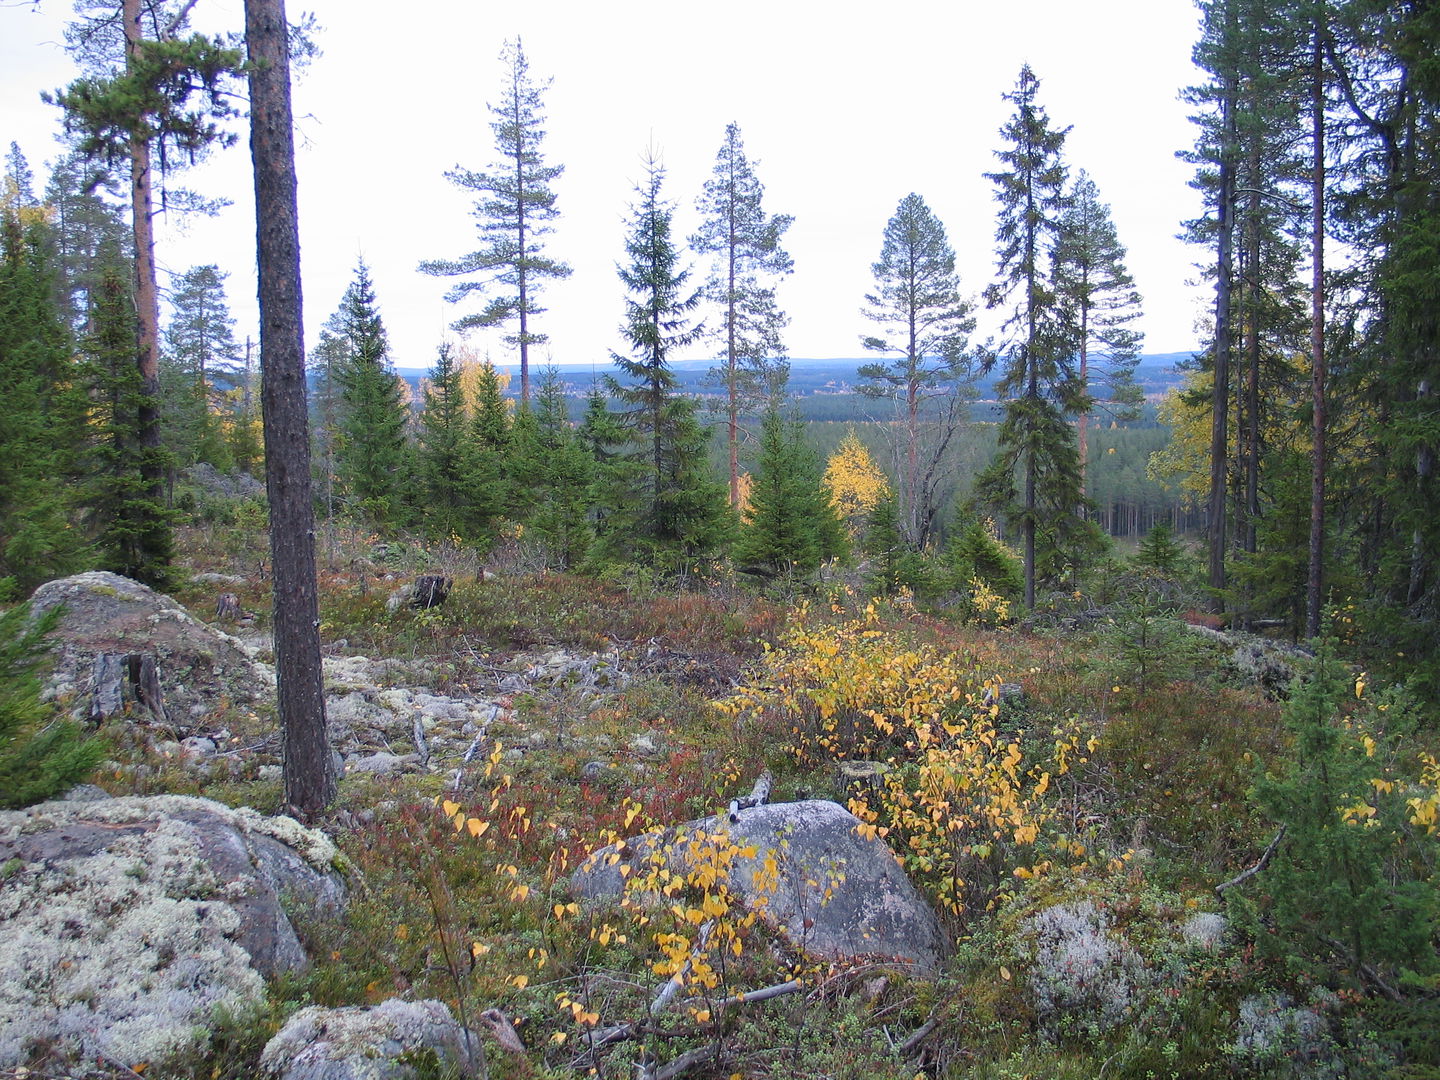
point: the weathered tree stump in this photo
(120, 678)
(430, 591)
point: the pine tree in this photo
(150, 91)
(309, 769)
(370, 449)
(85, 225)
(515, 207)
(789, 526)
(745, 242)
(917, 303)
(677, 515)
(1038, 381)
(1098, 302)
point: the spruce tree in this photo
(42, 422)
(515, 206)
(676, 513)
(201, 360)
(128, 519)
(40, 757)
(554, 471)
(1038, 380)
(446, 453)
(923, 317)
(370, 450)
(745, 244)
(85, 226)
(789, 526)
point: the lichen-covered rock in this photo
(125, 923)
(108, 617)
(395, 1040)
(838, 894)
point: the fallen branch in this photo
(918, 1036)
(1246, 875)
(758, 795)
(684, 1063)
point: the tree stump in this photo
(430, 591)
(124, 677)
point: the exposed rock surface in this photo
(839, 894)
(369, 1043)
(108, 618)
(124, 923)
(228, 485)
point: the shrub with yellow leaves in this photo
(968, 805)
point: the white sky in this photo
(844, 107)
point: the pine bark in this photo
(147, 303)
(1220, 402)
(1314, 585)
(308, 767)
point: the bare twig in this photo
(1246, 875)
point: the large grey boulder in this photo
(386, 1042)
(839, 894)
(109, 620)
(125, 923)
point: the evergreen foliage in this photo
(131, 527)
(515, 206)
(673, 511)
(1348, 890)
(746, 245)
(885, 547)
(553, 472)
(917, 304)
(1098, 303)
(1039, 382)
(370, 447)
(789, 525)
(42, 423)
(40, 755)
(1159, 552)
(201, 360)
(451, 494)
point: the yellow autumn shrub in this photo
(968, 804)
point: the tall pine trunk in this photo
(308, 768)
(1220, 400)
(147, 302)
(1314, 584)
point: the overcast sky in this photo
(844, 108)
